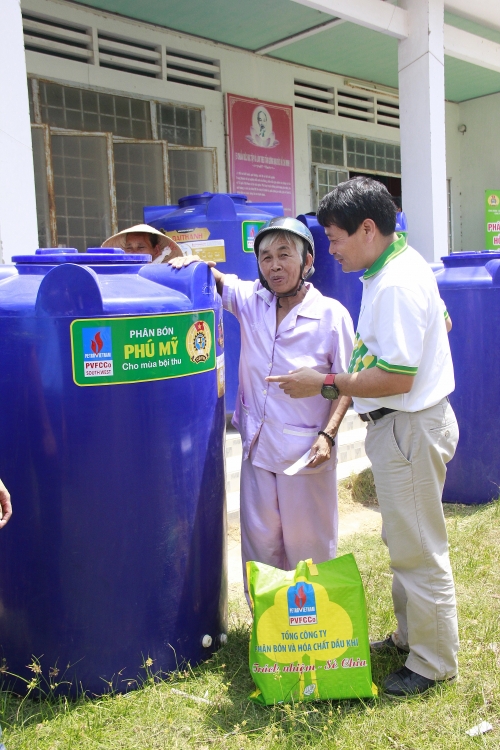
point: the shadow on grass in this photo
(456, 510)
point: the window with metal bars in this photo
(335, 157)
(179, 125)
(80, 109)
(139, 179)
(85, 193)
(355, 153)
(81, 192)
(326, 180)
(190, 170)
(327, 148)
(374, 156)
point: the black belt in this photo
(372, 416)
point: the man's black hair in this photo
(353, 201)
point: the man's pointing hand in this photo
(300, 383)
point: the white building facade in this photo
(124, 114)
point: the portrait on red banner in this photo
(261, 150)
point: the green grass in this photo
(155, 716)
(358, 488)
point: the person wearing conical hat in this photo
(143, 238)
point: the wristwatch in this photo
(329, 390)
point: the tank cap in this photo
(200, 198)
(56, 255)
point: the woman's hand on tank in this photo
(4, 504)
(187, 259)
(320, 452)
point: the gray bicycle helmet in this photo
(294, 226)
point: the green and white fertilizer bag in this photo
(310, 632)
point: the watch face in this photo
(330, 392)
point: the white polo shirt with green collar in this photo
(401, 329)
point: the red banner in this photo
(261, 151)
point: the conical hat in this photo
(167, 246)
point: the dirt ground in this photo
(359, 513)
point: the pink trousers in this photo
(287, 519)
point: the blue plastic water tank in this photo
(151, 213)
(111, 444)
(469, 284)
(402, 223)
(328, 275)
(228, 217)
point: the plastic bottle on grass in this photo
(2, 746)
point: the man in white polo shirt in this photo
(399, 377)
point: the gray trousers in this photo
(409, 453)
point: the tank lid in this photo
(480, 258)
(200, 198)
(56, 255)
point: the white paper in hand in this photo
(298, 465)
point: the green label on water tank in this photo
(107, 351)
(248, 231)
(492, 220)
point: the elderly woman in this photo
(286, 323)
(142, 238)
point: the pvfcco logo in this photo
(97, 352)
(301, 604)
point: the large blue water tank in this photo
(111, 444)
(228, 217)
(469, 284)
(328, 275)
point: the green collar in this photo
(395, 248)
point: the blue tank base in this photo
(116, 551)
(75, 684)
(469, 284)
(455, 500)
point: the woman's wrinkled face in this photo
(280, 264)
(140, 242)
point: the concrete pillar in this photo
(422, 121)
(18, 221)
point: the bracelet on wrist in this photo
(328, 436)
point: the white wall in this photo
(453, 144)
(242, 73)
(480, 164)
(473, 160)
